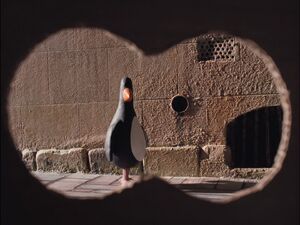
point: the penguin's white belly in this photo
(137, 140)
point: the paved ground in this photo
(97, 186)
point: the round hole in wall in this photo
(179, 103)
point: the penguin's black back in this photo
(121, 146)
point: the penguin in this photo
(125, 142)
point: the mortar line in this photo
(86, 182)
(82, 103)
(243, 185)
(114, 181)
(53, 181)
(77, 95)
(78, 121)
(108, 77)
(137, 100)
(177, 73)
(81, 49)
(48, 76)
(241, 95)
(184, 179)
(216, 184)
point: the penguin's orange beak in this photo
(127, 95)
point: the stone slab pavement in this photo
(83, 186)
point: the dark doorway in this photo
(254, 137)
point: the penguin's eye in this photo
(127, 95)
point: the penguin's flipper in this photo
(137, 140)
(111, 137)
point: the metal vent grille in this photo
(224, 49)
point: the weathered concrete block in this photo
(249, 173)
(121, 62)
(16, 125)
(160, 123)
(54, 126)
(72, 160)
(208, 78)
(92, 76)
(110, 40)
(164, 127)
(189, 70)
(62, 40)
(99, 163)
(224, 109)
(220, 78)
(88, 38)
(62, 77)
(30, 86)
(189, 40)
(28, 157)
(213, 161)
(243, 76)
(254, 75)
(192, 126)
(40, 47)
(172, 161)
(94, 119)
(79, 76)
(157, 77)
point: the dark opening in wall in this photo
(179, 104)
(254, 137)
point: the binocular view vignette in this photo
(208, 121)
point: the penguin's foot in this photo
(128, 182)
(125, 180)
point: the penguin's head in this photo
(126, 90)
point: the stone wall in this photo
(163, 161)
(65, 93)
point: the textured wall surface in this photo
(65, 92)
